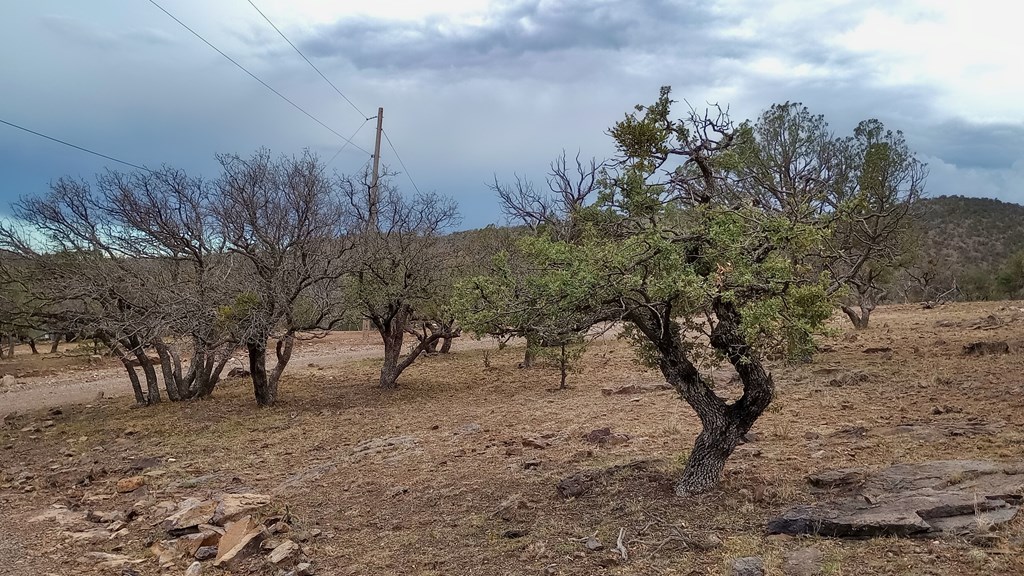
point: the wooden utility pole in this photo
(374, 200)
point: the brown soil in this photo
(447, 497)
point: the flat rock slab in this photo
(950, 496)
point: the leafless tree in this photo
(401, 267)
(287, 232)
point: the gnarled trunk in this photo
(55, 343)
(265, 395)
(171, 380)
(446, 344)
(265, 384)
(860, 321)
(129, 367)
(392, 332)
(32, 345)
(724, 425)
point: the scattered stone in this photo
(803, 562)
(233, 506)
(206, 553)
(986, 348)
(288, 550)
(747, 566)
(104, 560)
(950, 496)
(514, 533)
(191, 513)
(470, 428)
(166, 552)
(194, 569)
(91, 536)
(241, 540)
(605, 437)
(531, 464)
(304, 569)
(130, 484)
(190, 544)
(534, 443)
(593, 544)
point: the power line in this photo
(347, 143)
(308, 61)
(255, 77)
(59, 141)
(388, 138)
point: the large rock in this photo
(191, 513)
(233, 506)
(8, 382)
(950, 496)
(241, 540)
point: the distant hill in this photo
(970, 241)
(969, 233)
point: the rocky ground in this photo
(477, 467)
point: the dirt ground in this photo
(454, 490)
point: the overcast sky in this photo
(476, 88)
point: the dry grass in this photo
(437, 507)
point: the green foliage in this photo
(673, 242)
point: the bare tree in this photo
(166, 217)
(401, 267)
(287, 232)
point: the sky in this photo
(478, 89)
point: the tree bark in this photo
(265, 395)
(392, 332)
(56, 343)
(446, 344)
(172, 380)
(389, 371)
(860, 321)
(32, 345)
(532, 344)
(10, 345)
(129, 367)
(152, 384)
(724, 425)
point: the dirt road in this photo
(83, 386)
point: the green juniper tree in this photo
(672, 242)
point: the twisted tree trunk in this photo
(392, 332)
(724, 425)
(265, 384)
